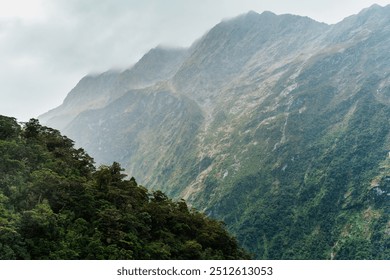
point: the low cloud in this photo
(44, 53)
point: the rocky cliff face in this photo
(276, 124)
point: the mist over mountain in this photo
(277, 124)
(96, 91)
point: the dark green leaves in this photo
(55, 205)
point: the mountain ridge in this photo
(276, 124)
(96, 91)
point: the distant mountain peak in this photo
(252, 12)
(251, 16)
(373, 17)
(373, 7)
(374, 10)
(166, 48)
(268, 13)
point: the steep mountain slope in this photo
(157, 65)
(276, 124)
(160, 124)
(227, 50)
(96, 91)
(90, 93)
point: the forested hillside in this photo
(54, 204)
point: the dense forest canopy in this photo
(54, 204)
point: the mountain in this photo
(54, 204)
(96, 91)
(277, 124)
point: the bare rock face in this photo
(276, 124)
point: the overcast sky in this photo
(47, 46)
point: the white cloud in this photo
(23, 9)
(46, 46)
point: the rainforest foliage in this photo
(54, 204)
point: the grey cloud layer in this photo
(42, 60)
